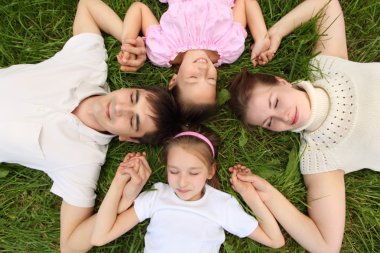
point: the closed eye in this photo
(269, 123)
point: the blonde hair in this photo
(200, 149)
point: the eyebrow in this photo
(270, 104)
(137, 116)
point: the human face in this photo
(197, 78)
(187, 174)
(126, 113)
(279, 107)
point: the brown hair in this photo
(241, 90)
(200, 149)
(192, 112)
(165, 117)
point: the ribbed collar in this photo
(320, 105)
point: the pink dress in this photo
(196, 24)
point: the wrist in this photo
(249, 194)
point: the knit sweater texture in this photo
(341, 132)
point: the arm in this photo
(322, 230)
(332, 25)
(138, 18)
(133, 54)
(268, 231)
(95, 16)
(128, 182)
(249, 11)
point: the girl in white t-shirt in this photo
(187, 214)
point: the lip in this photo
(108, 111)
(182, 191)
(201, 60)
(295, 118)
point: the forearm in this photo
(138, 18)
(265, 218)
(299, 15)
(300, 227)
(96, 16)
(132, 24)
(255, 20)
(108, 212)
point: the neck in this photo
(85, 113)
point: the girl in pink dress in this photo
(198, 36)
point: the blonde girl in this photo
(187, 214)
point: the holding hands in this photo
(245, 182)
(264, 50)
(132, 174)
(132, 55)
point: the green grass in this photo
(33, 30)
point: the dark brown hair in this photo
(166, 116)
(192, 112)
(241, 89)
(200, 149)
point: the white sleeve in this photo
(84, 46)
(76, 185)
(144, 204)
(237, 221)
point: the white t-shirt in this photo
(190, 226)
(37, 127)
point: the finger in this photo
(134, 48)
(136, 63)
(138, 42)
(146, 165)
(247, 177)
(263, 59)
(233, 177)
(128, 69)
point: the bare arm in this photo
(331, 25)
(133, 54)
(138, 18)
(249, 11)
(95, 16)
(268, 231)
(127, 184)
(322, 230)
(110, 225)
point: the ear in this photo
(128, 139)
(282, 81)
(212, 171)
(172, 82)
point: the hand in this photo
(262, 187)
(133, 55)
(240, 186)
(121, 176)
(139, 172)
(275, 38)
(258, 50)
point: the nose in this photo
(123, 109)
(182, 182)
(282, 115)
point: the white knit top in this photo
(342, 131)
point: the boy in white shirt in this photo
(63, 116)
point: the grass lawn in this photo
(34, 30)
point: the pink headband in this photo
(199, 136)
